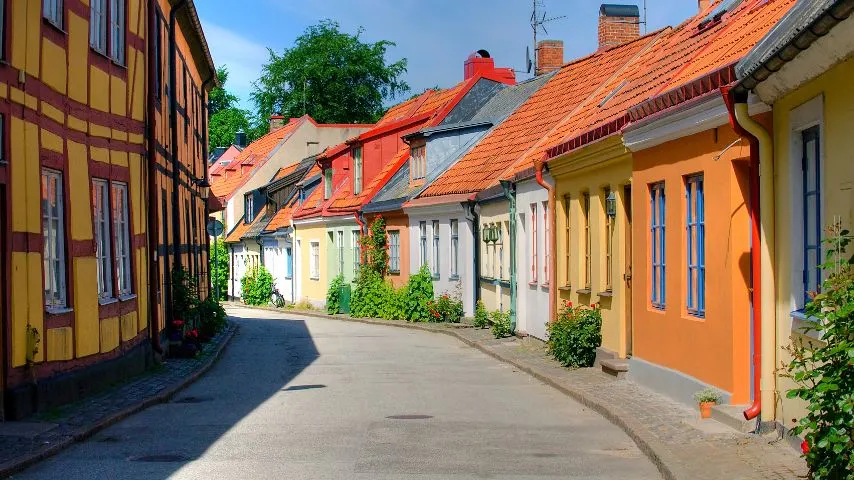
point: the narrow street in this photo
(297, 397)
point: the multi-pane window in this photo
(289, 262)
(327, 183)
(657, 245)
(696, 245)
(250, 208)
(54, 239)
(121, 237)
(117, 30)
(534, 241)
(53, 11)
(546, 233)
(455, 248)
(357, 170)
(314, 264)
(609, 242)
(422, 243)
(340, 252)
(98, 25)
(394, 251)
(585, 212)
(567, 237)
(435, 257)
(419, 162)
(498, 251)
(811, 198)
(354, 245)
(103, 248)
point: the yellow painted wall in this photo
(495, 297)
(837, 188)
(606, 163)
(313, 290)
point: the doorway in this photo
(4, 295)
(627, 275)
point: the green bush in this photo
(823, 370)
(256, 286)
(212, 317)
(368, 295)
(185, 297)
(219, 270)
(394, 304)
(575, 335)
(501, 326)
(481, 316)
(449, 309)
(333, 295)
(419, 292)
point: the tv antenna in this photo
(538, 22)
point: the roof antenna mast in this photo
(538, 22)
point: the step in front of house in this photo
(616, 367)
(733, 417)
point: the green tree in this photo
(219, 270)
(331, 75)
(226, 118)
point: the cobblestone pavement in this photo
(667, 431)
(48, 432)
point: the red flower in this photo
(805, 447)
(568, 303)
(592, 305)
(177, 323)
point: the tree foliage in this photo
(225, 117)
(219, 270)
(331, 75)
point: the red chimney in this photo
(703, 4)
(618, 24)
(481, 62)
(549, 55)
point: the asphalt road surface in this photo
(305, 398)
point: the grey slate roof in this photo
(509, 99)
(796, 31)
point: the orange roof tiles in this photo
(352, 201)
(401, 110)
(525, 128)
(282, 218)
(254, 155)
(240, 230)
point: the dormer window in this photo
(418, 163)
(327, 183)
(249, 205)
(357, 170)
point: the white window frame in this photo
(53, 12)
(53, 223)
(422, 244)
(544, 281)
(435, 270)
(314, 260)
(534, 242)
(394, 251)
(103, 237)
(357, 170)
(340, 238)
(455, 248)
(327, 183)
(98, 25)
(117, 30)
(121, 234)
(354, 245)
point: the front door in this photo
(4, 283)
(627, 276)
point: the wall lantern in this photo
(611, 205)
(204, 188)
(485, 234)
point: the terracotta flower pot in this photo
(706, 409)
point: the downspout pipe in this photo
(550, 189)
(231, 273)
(510, 194)
(173, 125)
(151, 235)
(363, 230)
(755, 262)
(766, 252)
(207, 178)
(474, 219)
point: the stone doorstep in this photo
(616, 367)
(731, 416)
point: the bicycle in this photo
(276, 299)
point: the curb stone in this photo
(667, 464)
(82, 433)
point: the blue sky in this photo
(434, 35)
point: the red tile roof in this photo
(687, 54)
(282, 218)
(240, 229)
(524, 130)
(253, 156)
(344, 204)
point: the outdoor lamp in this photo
(485, 234)
(204, 188)
(611, 204)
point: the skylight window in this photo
(613, 93)
(722, 9)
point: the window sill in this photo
(58, 310)
(545, 285)
(583, 291)
(53, 25)
(565, 288)
(799, 319)
(107, 301)
(606, 293)
(119, 64)
(454, 277)
(126, 297)
(394, 272)
(533, 283)
(314, 278)
(436, 277)
(697, 315)
(100, 53)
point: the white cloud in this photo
(242, 56)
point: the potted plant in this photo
(707, 399)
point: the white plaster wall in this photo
(245, 256)
(276, 261)
(464, 284)
(533, 299)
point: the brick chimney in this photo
(549, 55)
(276, 122)
(481, 62)
(703, 4)
(618, 24)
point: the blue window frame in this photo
(696, 251)
(657, 245)
(811, 194)
(289, 262)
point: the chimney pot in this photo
(240, 138)
(618, 24)
(481, 62)
(549, 56)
